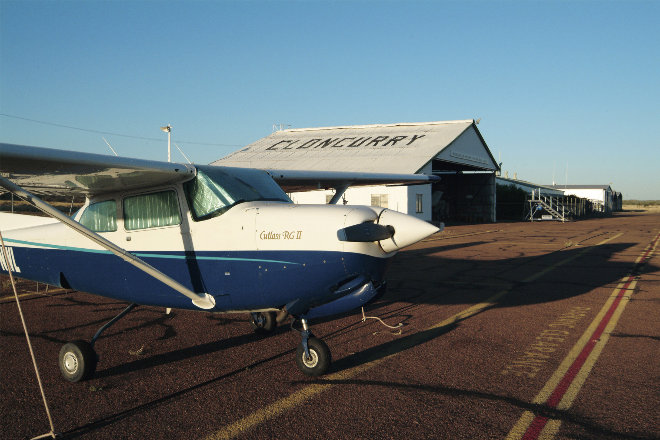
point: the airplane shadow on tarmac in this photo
(421, 277)
(425, 277)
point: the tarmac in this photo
(509, 331)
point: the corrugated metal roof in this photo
(392, 148)
(579, 186)
(545, 189)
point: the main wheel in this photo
(263, 322)
(77, 361)
(319, 360)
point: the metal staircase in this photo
(554, 208)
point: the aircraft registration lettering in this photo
(11, 259)
(284, 235)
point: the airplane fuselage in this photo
(256, 256)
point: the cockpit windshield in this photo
(214, 190)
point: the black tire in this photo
(77, 361)
(320, 361)
(265, 322)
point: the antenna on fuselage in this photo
(182, 153)
(109, 146)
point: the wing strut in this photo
(339, 191)
(203, 301)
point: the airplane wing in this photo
(50, 171)
(301, 180)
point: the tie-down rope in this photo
(27, 337)
(393, 327)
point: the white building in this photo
(455, 150)
(601, 196)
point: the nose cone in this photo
(407, 230)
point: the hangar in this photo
(454, 150)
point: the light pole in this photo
(168, 130)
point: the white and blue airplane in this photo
(206, 238)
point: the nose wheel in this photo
(313, 356)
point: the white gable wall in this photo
(467, 149)
(399, 198)
(601, 196)
(591, 194)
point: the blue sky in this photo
(564, 89)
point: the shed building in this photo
(601, 196)
(529, 186)
(454, 150)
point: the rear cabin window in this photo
(151, 210)
(100, 216)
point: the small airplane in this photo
(208, 238)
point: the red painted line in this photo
(539, 422)
(535, 428)
(575, 367)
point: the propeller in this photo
(392, 230)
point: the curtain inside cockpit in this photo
(100, 216)
(151, 210)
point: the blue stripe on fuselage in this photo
(140, 255)
(239, 280)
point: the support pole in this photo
(27, 337)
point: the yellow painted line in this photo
(287, 403)
(528, 424)
(447, 237)
(569, 259)
(557, 246)
(279, 407)
(11, 297)
(50, 292)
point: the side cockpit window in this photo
(100, 216)
(151, 210)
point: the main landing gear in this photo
(78, 359)
(263, 322)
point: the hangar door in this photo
(463, 196)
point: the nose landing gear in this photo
(312, 355)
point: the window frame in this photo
(380, 200)
(91, 203)
(177, 197)
(419, 203)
